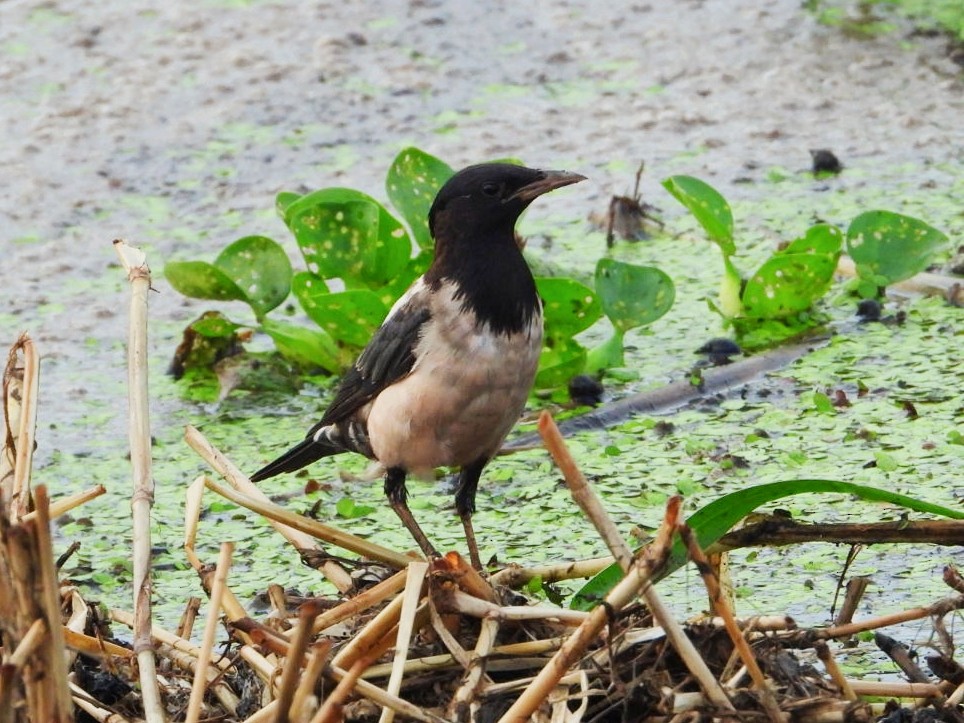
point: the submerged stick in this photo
(139, 275)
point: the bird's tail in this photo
(323, 443)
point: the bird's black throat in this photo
(491, 279)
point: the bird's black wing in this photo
(388, 357)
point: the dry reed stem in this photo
(454, 647)
(447, 660)
(462, 701)
(460, 602)
(515, 576)
(314, 528)
(301, 541)
(361, 602)
(896, 689)
(199, 686)
(55, 672)
(636, 578)
(332, 710)
(29, 396)
(305, 693)
(941, 607)
(370, 635)
(380, 697)
(722, 608)
(582, 493)
(293, 662)
(64, 505)
(454, 566)
(185, 625)
(166, 637)
(833, 670)
(586, 497)
(410, 600)
(94, 647)
(135, 265)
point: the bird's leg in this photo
(465, 506)
(397, 494)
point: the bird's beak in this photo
(549, 181)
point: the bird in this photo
(446, 376)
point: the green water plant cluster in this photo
(360, 258)
(776, 301)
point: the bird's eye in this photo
(490, 189)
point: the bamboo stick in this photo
(135, 265)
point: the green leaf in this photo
(348, 316)
(562, 358)
(888, 247)
(261, 270)
(714, 520)
(346, 507)
(346, 234)
(633, 295)
(412, 183)
(792, 279)
(731, 284)
(201, 280)
(214, 325)
(308, 347)
(607, 355)
(283, 200)
(569, 307)
(708, 206)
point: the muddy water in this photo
(174, 124)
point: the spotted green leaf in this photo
(632, 295)
(708, 207)
(201, 280)
(347, 234)
(260, 268)
(888, 247)
(569, 306)
(350, 316)
(792, 279)
(413, 180)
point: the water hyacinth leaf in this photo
(714, 520)
(347, 234)
(413, 180)
(201, 280)
(632, 295)
(569, 306)
(708, 207)
(350, 316)
(260, 268)
(562, 358)
(283, 200)
(307, 347)
(889, 247)
(791, 280)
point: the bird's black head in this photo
(473, 224)
(489, 197)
